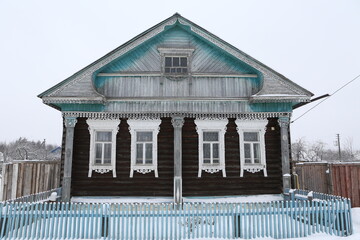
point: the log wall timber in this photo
(123, 185)
(148, 185)
(233, 184)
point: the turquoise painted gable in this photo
(206, 58)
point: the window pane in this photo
(211, 136)
(176, 62)
(247, 149)
(178, 70)
(184, 70)
(206, 151)
(107, 153)
(168, 62)
(183, 62)
(251, 136)
(256, 152)
(103, 136)
(167, 70)
(144, 136)
(139, 153)
(215, 161)
(98, 152)
(173, 70)
(148, 153)
(215, 151)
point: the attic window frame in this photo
(169, 52)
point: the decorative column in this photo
(285, 162)
(70, 123)
(177, 122)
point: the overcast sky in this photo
(314, 43)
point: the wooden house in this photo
(175, 111)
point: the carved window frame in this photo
(211, 125)
(95, 126)
(140, 125)
(257, 126)
(178, 53)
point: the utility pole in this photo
(337, 143)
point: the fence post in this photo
(329, 179)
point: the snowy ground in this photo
(355, 212)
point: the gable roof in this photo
(79, 87)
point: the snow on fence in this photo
(38, 197)
(278, 219)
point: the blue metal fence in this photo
(279, 219)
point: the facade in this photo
(175, 111)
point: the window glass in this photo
(176, 65)
(144, 136)
(206, 152)
(247, 148)
(148, 153)
(256, 152)
(103, 137)
(215, 151)
(211, 136)
(176, 62)
(251, 136)
(183, 61)
(168, 62)
(107, 153)
(139, 153)
(98, 152)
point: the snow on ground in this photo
(229, 199)
(355, 213)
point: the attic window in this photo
(175, 61)
(176, 65)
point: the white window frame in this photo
(258, 126)
(176, 52)
(212, 125)
(140, 125)
(97, 125)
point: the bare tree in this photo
(298, 150)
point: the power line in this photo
(327, 97)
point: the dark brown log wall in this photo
(148, 185)
(122, 185)
(233, 184)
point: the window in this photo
(211, 145)
(176, 65)
(102, 145)
(144, 145)
(175, 61)
(252, 145)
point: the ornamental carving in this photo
(284, 122)
(70, 122)
(177, 121)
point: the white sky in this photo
(314, 43)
